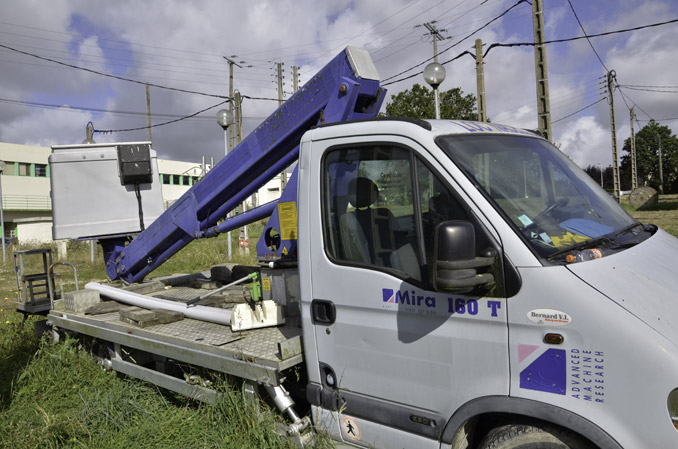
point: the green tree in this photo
(418, 102)
(647, 158)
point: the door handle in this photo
(323, 312)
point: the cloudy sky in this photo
(181, 44)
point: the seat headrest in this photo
(362, 192)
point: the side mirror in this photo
(456, 264)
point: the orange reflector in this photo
(569, 258)
(675, 424)
(554, 339)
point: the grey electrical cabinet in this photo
(121, 177)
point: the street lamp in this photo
(89, 132)
(2, 217)
(225, 119)
(434, 75)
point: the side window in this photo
(381, 208)
(369, 212)
(438, 204)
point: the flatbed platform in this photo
(259, 355)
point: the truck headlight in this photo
(673, 407)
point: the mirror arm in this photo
(478, 262)
(477, 280)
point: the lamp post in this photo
(89, 140)
(225, 119)
(434, 75)
(2, 217)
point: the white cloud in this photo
(181, 44)
(586, 142)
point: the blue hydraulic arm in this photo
(347, 88)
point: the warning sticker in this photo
(350, 428)
(287, 215)
(266, 284)
(284, 251)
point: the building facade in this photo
(25, 185)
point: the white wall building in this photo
(25, 184)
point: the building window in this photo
(167, 179)
(185, 180)
(24, 169)
(41, 170)
(9, 168)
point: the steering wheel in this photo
(541, 215)
(560, 203)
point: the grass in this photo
(55, 396)
(64, 400)
(664, 214)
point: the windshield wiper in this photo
(583, 245)
(607, 240)
(631, 227)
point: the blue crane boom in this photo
(347, 88)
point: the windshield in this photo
(552, 202)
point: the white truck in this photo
(453, 285)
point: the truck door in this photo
(391, 349)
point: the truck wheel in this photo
(523, 436)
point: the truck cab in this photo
(458, 276)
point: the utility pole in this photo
(238, 116)
(148, 113)
(231, 132)
(283, 174)
(480, 81)
(295, 77)
(280, 84)
(661, 173)
(613, 128)
(231, 63)
(543, 101)
(243, 239)
(435, 32)
(634, 167)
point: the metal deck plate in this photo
(253, 354)
(260, 345)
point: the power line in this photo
(586, 36)
(413, 31)
(110, 131)
(453, 45)
(651, 90)
(104, 39)
(577, 112)
(110, 75)
(72, 108)
(639, 85)
(366, 30)
(419, 73)
(143, 65)
(532, 44)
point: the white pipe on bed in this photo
(211, 314)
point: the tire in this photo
(522, 436)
